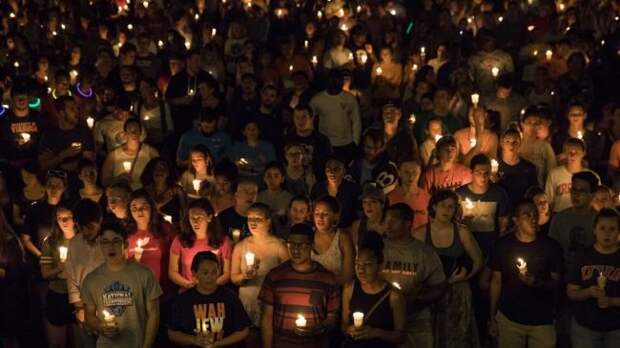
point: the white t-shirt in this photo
(119, 156)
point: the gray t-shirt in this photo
(124, 294)
(574, 232)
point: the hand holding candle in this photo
(62, 253)
(127, 166)
(475, 98)
(494, 166)
(601, 281)
(108, 318)
(196, 184)
(522, 266)
(301, 321)
(236, 234)
(358, 319)
(90, 122)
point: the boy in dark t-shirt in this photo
(208, 313)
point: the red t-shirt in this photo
(186, 255)
(155, 253)
(417, 202)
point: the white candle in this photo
(168, 218)
(138, 250)
(475, 98)
(160, 43)
(90, 122)
(196, 183)
(127, 166)
(236, 234)
(108, 318)
(62, 253)
(188, 45)
(472, 142)
(344, 27)
(601, 280)
(494, 166)
(522, 266)
(191, 92)
(580, 135)
(301, 321)
(145, 4)
(315, 60)
(319, 14)
(306, 44)
(363, 57)
(437, 137)
(213, 31)
(290, 68)
(396, 285)
(412, 119)
(249, 259)
(469, 205)
(414, 67)
(495, 71)
(548, 54)
(530, 28)
(26, 137)
(358, 319)
(379, 70)
(243, 161)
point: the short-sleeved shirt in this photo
(223, 313)
(12, 129)
(517, 179)
(519, 302)
(413, 265)
(186, 255)
(57, 140)
(125, 294)
(218, 143)
(574, 231)
(488, 208)
(436, 179)
(314, 294)
(588, 266)
(417, 202)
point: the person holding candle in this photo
(409, 192)
(126, 293)
(594, 289)
(489, 217)
(207, 133)
(532, 149)
(253, 258)
(386, 76)
(514, 173)
(417, 269)
(133, 151)
(537, 195)
(87, 173)
(521, 311)
(447, 173)
(374, 203)
(462, 260)
(252, 154)
(208, 315)
(382, 305)
(299, 178)
(117, 200)
(434, 132)
(275, 196)
(159, 180)
(558, 182)
(60, 323)
(399, 141)
(505, 101)
(300, 298)
(200, 231)
(109, 130)
(332, 247)
(477, 138)
(84, 255)
(201, 168)
(443, 109)
(236, 217)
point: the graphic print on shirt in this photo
(593, 271)
(210, 319)
(482, 215)
(117, 297)
(400, 268)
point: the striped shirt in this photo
(314, 294)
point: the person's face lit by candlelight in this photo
(386, 55)
(274, 179)
(298, 212)
(367, 267)
(447, 153)
(372, 208)
(141, 211)
(199, 220)
(441, 100)
(606, 232)
(206, 275)
(175, 65)
(88, 175)
(574, 154)
(334, 171)
(576, 116)
(133, 131)
(310, 30)
(113, 246)
(76, 55)
(325, 219)
(251, 132)
(481, 175)
(117, 202)
(246, 194)
(580, 193)
(222, 185)
(409, 173)
(542, 204)
(20, 102)
(259, 223)
(511, 143)
(391, 115)
(294, 156)
(602, 198)
(70, 113)
(64, 218)
(199, 162)
(395, 226)
(54, 188)
(530, 125)
(62, 85)
(372, 149)
(445, 210)
(526, 219)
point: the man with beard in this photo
(268, 117)
(207, 133)
(64, 146)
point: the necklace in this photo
(87, 94)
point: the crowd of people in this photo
(309, 173)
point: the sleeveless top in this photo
(332, 258)
(381, 318)
(453, 256)
(248, 292)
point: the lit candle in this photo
(350, 56)
(495, 71)
(196, 184)
(290, 68)
(437, 137)
(358, 319)
(25, 137)
(129, 26)
(475, 98)
(530, 28)
(306, 44)
(412, 119)
(344, 27)
(601, 280)
(213, 31)
(301, 321)
(522, 266)
(469, 205)
(359, 9)
(145, 4)
(379, 70)
(414, 67)
(12, 15)
(279, 13)
(494, 166)
(73, 74)
(138, 250)
(16, 64)
(500, 19)
(168, 218)
(249, 259)
(188, 44)
(535, 53)
(108, 318)
(127, 166)
(363, 57)
(580, 135)
(472, 142)
(392, 12)
(196, 17)
(243, 161)
(314, 60)
(160, 43)
(236, 234)
(90, 121)
(548, 54)
(191, 92)
(62, 253)
(319, 14)
(396, 285)
(340, 13)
